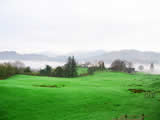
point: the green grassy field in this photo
(82, 70)
(101, 96)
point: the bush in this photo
(58, 72)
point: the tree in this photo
(70, 68)
(58, 72)
(7, 70)
(101, 65)
(152, 66)
(74, 67)
(119, 65)
(47, 71)
(141, 67)
(27, 70)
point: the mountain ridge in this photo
(132, 55)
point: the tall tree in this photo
(70, 69)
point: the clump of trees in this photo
(118, 65)
(99, 67)
(122, 66)
(7, 70)
(10, 69)
(27, 70)
(68, 70)
(47, 71)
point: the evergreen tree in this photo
(74, 67)
(70, 69)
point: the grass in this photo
(82, 70)
(102, 96)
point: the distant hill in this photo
(12, 55)
(82, 55)
(130, 55)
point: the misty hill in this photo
(130, 55)
(82, 55)
(12, 55)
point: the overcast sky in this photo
(75, 25)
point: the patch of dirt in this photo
(138, 90)
(131, 117)
(50, 86)
(135, 85)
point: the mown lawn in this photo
(102, 96)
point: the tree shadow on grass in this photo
(3, 114)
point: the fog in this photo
(41, 64)
(37, 64)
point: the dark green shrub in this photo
(58, 72)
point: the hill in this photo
(81, 56)
(103, 96)
(13, 55)
(131, 55)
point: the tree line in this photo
(9, 69)
(68, 70)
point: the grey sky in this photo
(68, 25)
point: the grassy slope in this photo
(82, 70)
(99, 97)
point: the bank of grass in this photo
(102, 96)
(82, 70)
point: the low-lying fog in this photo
(41, 64)
(36, 64)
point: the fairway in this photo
(102, 96)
